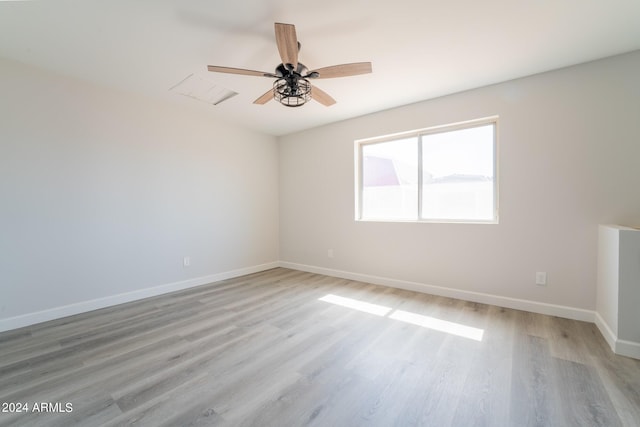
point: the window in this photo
(443, 174)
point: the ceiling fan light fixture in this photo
(292, 94)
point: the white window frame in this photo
(419, 133)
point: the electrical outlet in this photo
(541, 278)
(186, 261)
(330, 253)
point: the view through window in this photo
(443, 174)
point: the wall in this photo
(629, 287)
(618, 290)
(607, 283)
(568, 160)
(103, 193)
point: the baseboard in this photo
(608, 334)
(618, 346)
(95, 304)
(628, 348)
(501, 301)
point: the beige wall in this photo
(569, 150)
(618, 290)
(103, 193)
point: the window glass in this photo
(390, 180)
(457, 174)
(444, 174)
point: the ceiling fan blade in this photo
(242, 71)
(343, 70)
(287, 42)
(268, 96)
(322, 97)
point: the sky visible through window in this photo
(465, 151)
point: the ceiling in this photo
(419, 49)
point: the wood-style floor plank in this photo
(267, 349)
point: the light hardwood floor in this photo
(266, 350)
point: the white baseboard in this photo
(608, 334)
(627, 348)
(85, 306)
(618, 346)
(515, 303)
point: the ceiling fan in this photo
(292, 87)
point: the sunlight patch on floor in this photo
(438, 324)
(428, 322)
(378, 310)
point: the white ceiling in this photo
(419, 49)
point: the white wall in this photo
(569, 150)
(629, 287)
(102, 194)
(607, 283)
(618, 288)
